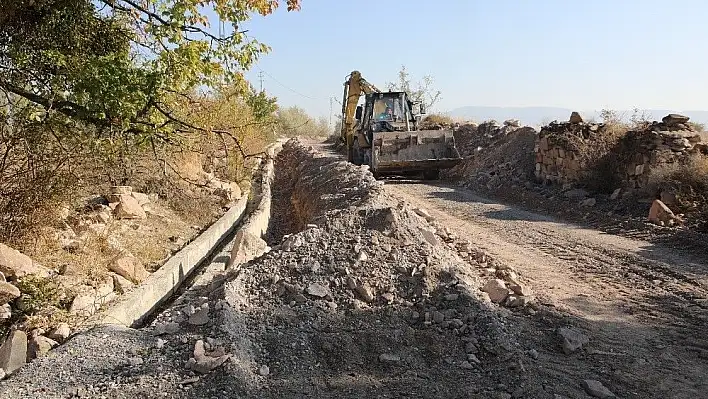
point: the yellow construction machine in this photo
(383, 133)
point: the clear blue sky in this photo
(576, 54)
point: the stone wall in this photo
(558, 158)
(569, 152)
(660, 144)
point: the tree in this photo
(125, 66)
(294, 121)
(423, 91)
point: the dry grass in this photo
(600, 156)
(689, 181)
(689, 184)
(151, 240)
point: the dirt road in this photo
(645, 307)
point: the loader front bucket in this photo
(414, 152)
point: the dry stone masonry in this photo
(557, 150)
(670, 141)
(559, 147)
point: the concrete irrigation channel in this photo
(231, 240)
(240, 228)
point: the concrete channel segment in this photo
(133, 308)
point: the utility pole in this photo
(260, 78)
(331, 100)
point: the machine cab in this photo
(389, 107)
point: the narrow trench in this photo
(283, 218)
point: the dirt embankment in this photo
(367, 299)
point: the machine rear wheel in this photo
(431, 174)
(357, 156)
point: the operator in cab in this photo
(387, 114)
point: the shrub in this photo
(34, 172)
(699, 127)
(688, 181)
(600, 156)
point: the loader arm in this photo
(354, 87)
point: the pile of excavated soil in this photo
(366, 301)
(498, 156)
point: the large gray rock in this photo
(660, 214)
(39, 346)
(129, 208)
(121, 284)
(8, 292)
(129, 267)
(674, 119)
(572, 340)
(597, 390)
(200, 317)
(575, 118)
(14, 264)
(60, 333)
(204, 362)
(317, 290)
(89, 300)
(13, 352)
(246, 247)
(497, 290)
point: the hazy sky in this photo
(576, 54)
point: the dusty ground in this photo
(297, 321)
(644, 306)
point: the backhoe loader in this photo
(383, 133)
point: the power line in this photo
(289, 88)
(331, 99)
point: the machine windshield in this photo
(388, 109)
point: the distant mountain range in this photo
(537, 116)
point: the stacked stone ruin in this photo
(557, 156)
(670, 141)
